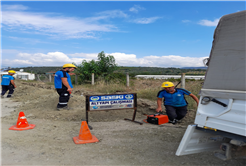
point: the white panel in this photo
(232, 121)
(213, 109)
(196, 141)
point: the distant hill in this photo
(131, 70)
(39, 69)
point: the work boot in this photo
(178, 121)
(63, 108)
(174, 121)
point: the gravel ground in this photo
(120, 142)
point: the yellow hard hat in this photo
(69, 65)
(167, 84)
(11, 71)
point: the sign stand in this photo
(112, 102)
(87, 116)
(135, 111)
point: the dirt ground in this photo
(120, 142)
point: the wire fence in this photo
(145, 88)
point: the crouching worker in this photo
(174, 101)
(8, 83)
(64, 85)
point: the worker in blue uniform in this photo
(64, 85)
(8, 84)
(174, 101)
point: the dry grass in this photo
(196, 72)
(194, 87)
(145, 88)
(104, 87)
(148, 88)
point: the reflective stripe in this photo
(62, 103)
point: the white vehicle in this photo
(220, 121)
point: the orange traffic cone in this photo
(84, 135)
(22, 123)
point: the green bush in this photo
(104, 67)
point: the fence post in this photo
(183, 80)
(76, 79)
(50, 77)
(92, 79)
(38, 77)
(127, 79)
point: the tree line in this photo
(105, 67)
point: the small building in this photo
(25, 75)
(20, 75)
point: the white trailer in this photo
(21, 75)
(220, 121)
(25, 75)
(170, 76)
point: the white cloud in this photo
(61, 26)
(53, 25)
(157, 61)
(17, 18)
(208, 22)
(40, 59)
(14, 7)
(10, 52)
(122, 59)
(136, 8)
(16, 63)
(85, 55)
(112, 14)
(145, 20)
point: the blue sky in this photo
(136, 33)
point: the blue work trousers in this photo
(9, 88)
